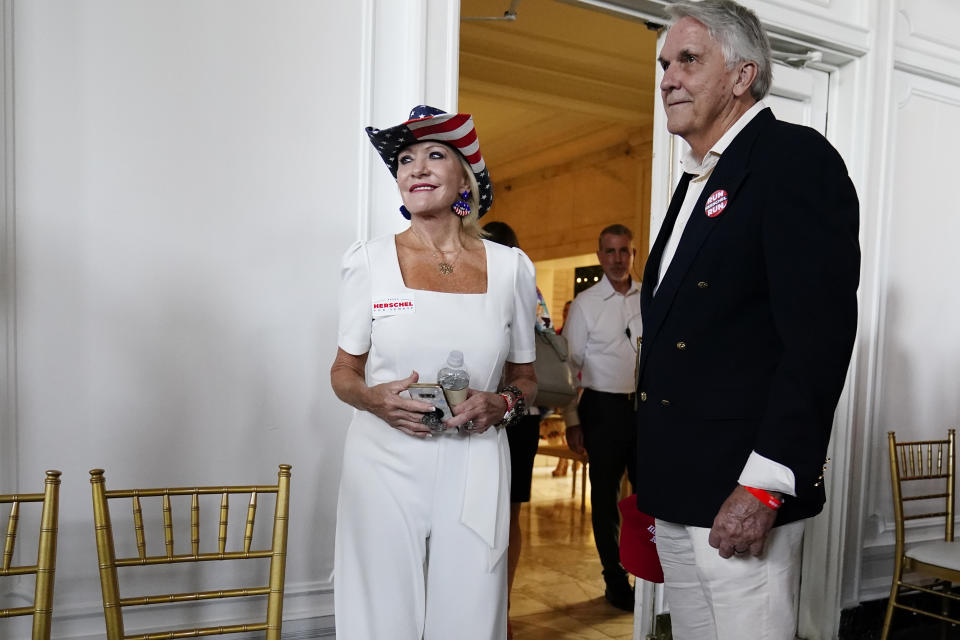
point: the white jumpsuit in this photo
(422, 524)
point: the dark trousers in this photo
(608, 421)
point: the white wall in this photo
(916, 345)
(187, 177)
(188, 173)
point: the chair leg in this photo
(887, 618)
(945, 610)
(898, 568)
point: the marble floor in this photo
(558, 589)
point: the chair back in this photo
(113, 603)
(43, 570)
(922, 473)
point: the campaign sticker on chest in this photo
(716, 203)
(392, 306)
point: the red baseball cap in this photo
(638, 542)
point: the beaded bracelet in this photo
(515, 409)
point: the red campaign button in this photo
(716, 203)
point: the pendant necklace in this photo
(446, 268)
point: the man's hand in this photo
(574, 435)
(741, 525)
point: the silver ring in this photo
(740, 552)
(469, 426)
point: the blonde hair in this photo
(471, 222)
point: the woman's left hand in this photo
(480, 411)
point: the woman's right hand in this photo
(405, 414)
(383, 400)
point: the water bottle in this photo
(454, 379)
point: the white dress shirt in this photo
(759, 471)
(701, 170)
(602, 330)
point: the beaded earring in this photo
(462, 206)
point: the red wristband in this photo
(765, 497)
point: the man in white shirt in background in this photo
(602, 332)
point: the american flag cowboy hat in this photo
(430, 123)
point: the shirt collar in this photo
(689, 163)
(607, 290)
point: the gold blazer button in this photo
(665, 403)
(703, 284)
(643, 396)
(681, 345)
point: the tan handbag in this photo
(556, 383)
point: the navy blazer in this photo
(748, 339)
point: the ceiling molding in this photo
(538, 51)
(555, 85)
(571, 156)
(579, 103)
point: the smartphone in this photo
(432, 393)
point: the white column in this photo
(8, 291)
(414, 59)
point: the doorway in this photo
(563, 98)
(566, 99)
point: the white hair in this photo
(738, 32)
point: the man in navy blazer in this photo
(749, 314)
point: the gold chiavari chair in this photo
(43, 570)
(922, 474)
(113, 604)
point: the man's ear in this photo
(746, 74)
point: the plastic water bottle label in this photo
(455, 396)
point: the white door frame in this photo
(8, 289)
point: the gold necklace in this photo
(446, 268)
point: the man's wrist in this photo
(770, 499)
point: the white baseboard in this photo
(307, 613)
(306, 629)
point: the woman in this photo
(423, 517)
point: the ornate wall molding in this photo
(925, 40)
(904, 397)
(837, 28)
